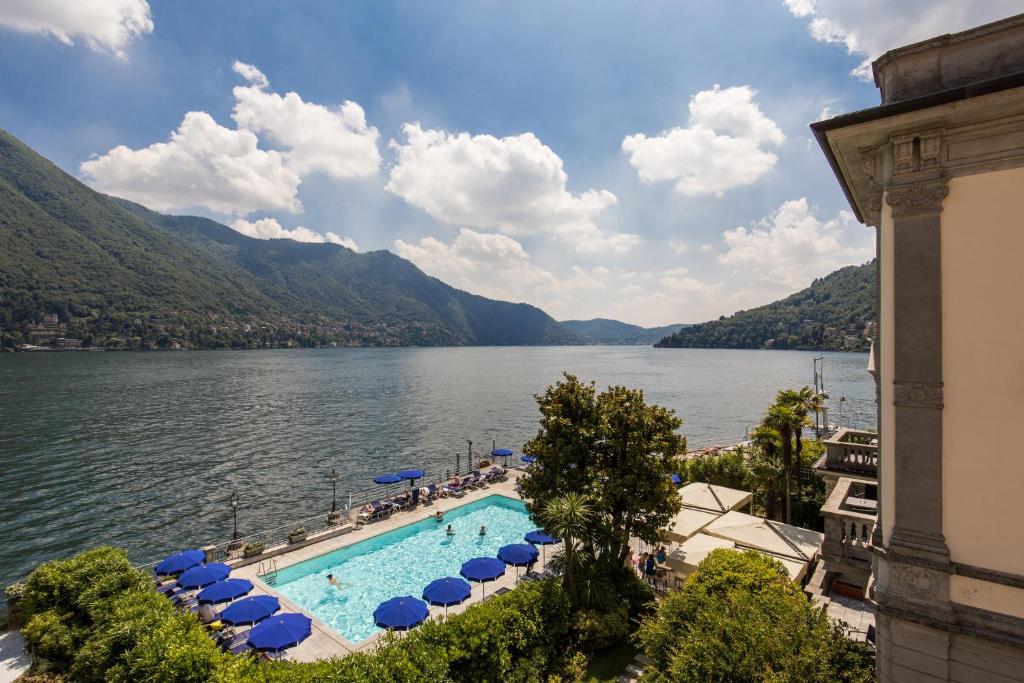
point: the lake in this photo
(143, 450)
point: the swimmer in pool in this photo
(450, 531)
(439, 516)
(337, 584)
(483, 530)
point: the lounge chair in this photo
(502, 590)
(240, 647)
(415, 500)
(454, 490)
(433, 492)
(375, 512)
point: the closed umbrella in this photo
(538, 537)
(401, 614)
(518, 555)
(280, 632)
(225, 591)
(180, 561)
(451, 590)
(482, 570)
(250, 610)
(204, 575)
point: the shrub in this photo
(595, 630)
(739, 618)
(53, 636)
(253, 549)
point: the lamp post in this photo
(470, 442)
(234, 514)
(333, 478)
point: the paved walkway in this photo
(13, 660)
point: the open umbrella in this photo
(387, 479)
(502, 452)
(451, 590)
(400, 614)
(411, 475)
(518, 555)
(528, 459)
(250, 610)
(225, 590)
(676, 479)
(280, 632)
(179, 562)
(538, 537)
(482, 570)
(204, 575)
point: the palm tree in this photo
(567, 516)
(804, 402)
(785, 421)
(764, 466)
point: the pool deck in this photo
(325, 643)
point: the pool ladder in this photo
(268, 572)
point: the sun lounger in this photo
(433, 492)
(240, 648)
(455, 490)
(376, 511)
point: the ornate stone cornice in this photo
(917, 394)
(915, 198)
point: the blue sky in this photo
(649, 162)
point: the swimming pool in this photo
(400, 562)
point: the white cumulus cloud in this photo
(792, 247)
(106, 25)
(270, 229)
(515, 185)
(722, 146)
(225, 170)
(203, 164)
(873, 27)
(334, 140)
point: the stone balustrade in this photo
(851, 450)
(849, 522)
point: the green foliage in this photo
(597, 630)
(53, 635)
(121, 276)
(728, 468)
(253, 549)
(616, 449)
(738, 618)
(126, 632)
(817, 318)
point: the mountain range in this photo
(122, 276)
(836, 313)
(81, 265)
(605, 331)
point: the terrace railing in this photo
(852, 450)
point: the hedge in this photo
(95, 618)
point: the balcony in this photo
(850, 512)
(850, 451)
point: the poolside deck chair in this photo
(502, 590)
(415, 500)
(454, 490)
(433, 492)
(373, 514)
(240, 648)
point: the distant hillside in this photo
(836, 313)
(121, 276)
(605, 331)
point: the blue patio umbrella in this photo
(676, 479)
(482, 570)
(225, 591)
(528, 459)
(411, 475)
(501, 452)
(401, 614)
(179, 562)
(280, 632)
(538, 537)
(451, 590)
(250, 610)
(387, 479)
(204, 575)
(518, 555)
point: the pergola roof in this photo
(684, 559)
(712, 497)
(776, 538)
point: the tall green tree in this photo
(618, 450)
(803, 401)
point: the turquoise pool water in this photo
(400, 562)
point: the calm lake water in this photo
(143, 450)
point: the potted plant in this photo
(297, 536)
(253, 549)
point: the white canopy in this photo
(684, 559)
(703, 504)
(776, 538)
(714, 497)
